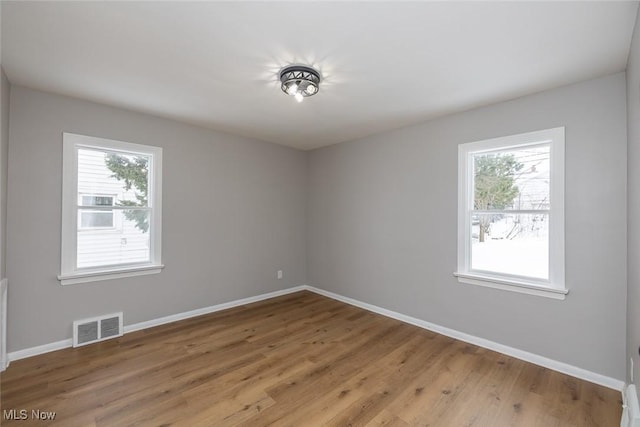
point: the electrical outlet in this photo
(279, 274)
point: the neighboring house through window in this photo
(111, 209)
(511, 213)
(89, 219)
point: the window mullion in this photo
(110, 208)
(511, 211)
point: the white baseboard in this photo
(40, 349)
(58, 345)
(4, 359)
(211, 309)
(481, 342)
(630, 407)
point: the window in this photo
(511, 213)
(90, 219)
(111, 209)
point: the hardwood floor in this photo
(296, 360)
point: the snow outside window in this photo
(511, 213)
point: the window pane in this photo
(514, 179)
(127, 242)
(96, 219)
(102, 173)
(516, 244)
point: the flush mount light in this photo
(300, 81)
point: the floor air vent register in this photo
(96, 329)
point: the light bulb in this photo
(298, 96)
(311, 89)
(293, 89)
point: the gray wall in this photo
(633, 179)
(4, 146)
(381, 225)
(233, 214)
(380, 221)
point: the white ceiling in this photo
(384, 64)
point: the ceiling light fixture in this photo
(300, 81)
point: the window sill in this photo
(108, 274)
(512, 285)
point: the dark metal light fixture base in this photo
(300, 81)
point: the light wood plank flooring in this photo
(297, 360)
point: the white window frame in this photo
(69, 273)
(555, 286)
